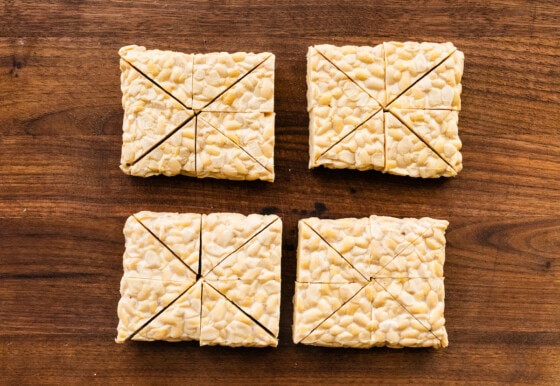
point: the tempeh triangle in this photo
(343, 313)
(180, 232)
(413, 248)
(406, 63)
(170, 70)
(439, 89)
(257, 259)
(172, 156)
(328, 86)
(225, 233)
(245, 155)
(260, 299)
(142, 300)
(147, 257)
(406, 154)
(411, 311)
(328, 126)
(254, 92)
(364, 65)
(222, 323)
(320, 262)
(215, 73)
(178, 322)
(438, 129)
(361, 149)
(149, 115)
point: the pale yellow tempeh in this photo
(318, 262)
(245, 154)
(407, 62)
(222, 323)
(142, 299)
(149, 116)
(253, 93)
(215, 72)
(327, 126)
(259, 298)
(407, 155)
(401, 299)
(439, 129)
(147, 257)
(364, 65)
(362, 149)
(328, 86)
(407, 247)
(314, 305)
(180, 232)
(257, 258)
(409, 313)
(171, 70)
(178, 322)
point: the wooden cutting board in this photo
(63, 199)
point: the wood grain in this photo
(63, 200)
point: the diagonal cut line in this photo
(421, 139)
(334, 312)
(349, 78)
(165, 245)
(410, 313)
(234, 83)
(244, 244)
(165, 138)
(417, 80)
(156, 84)
(199, 273)
(238, 145)
(410, 243)
(337, 252)
(159, 312)
(351, 132)
(242, 310)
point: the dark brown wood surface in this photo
(63, 199)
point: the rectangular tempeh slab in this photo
(200, 115)
(393, 108)
(213, 278)
(374, 281)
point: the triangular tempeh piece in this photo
(254, 92)
(258, 258)
(332, 314)
(320, 262)
(180, 232)
(223, 323)
(406, 63)
(243, 152)
(364, 65)
(408, 155)
(361, 149)
(258, 298)
(149, 116)
(142, 300)
(178, 322)
(409, 313)
(438, 129)
(216, 72)
(329, 86)
(170, 70)
(148, 257)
